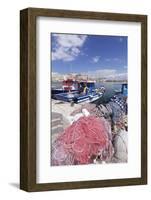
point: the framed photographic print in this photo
(83, 99)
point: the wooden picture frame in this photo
(28, 98)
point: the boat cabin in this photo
(71, 84)
(124, 89)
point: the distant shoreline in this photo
(97, 81)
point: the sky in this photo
(96, 55)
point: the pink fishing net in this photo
(80, 142)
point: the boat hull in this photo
(60, 91)
(77, 98)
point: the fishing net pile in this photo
(82, 142)
(95, 133)
(120, 142)
(115, 112)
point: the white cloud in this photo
(69, 40)
(119, 76)
(96, 59)
(113, 60)
(116, 59)
(102, 73)
(67, 46)
(107, 74)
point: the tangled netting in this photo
(81, 142)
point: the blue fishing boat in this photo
(123, 91)
(67, 85)
(78, 91)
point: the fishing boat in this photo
(123, 91)
(67, 85)
(78, 91)
(78, 98)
